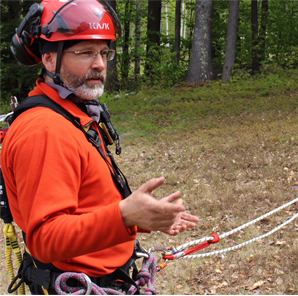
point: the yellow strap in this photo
(86, 128)
(105, 129)
(11, 244)
(45, 291)
(8, 253)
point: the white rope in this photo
(188, 244)
(243, 244)
(258, 219)
(201, 240)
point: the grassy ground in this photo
(232, 151)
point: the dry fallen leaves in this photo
(217, 269)
(257, 285)
(250, 259)
(280, 243)
(213, 290)
(222, 285)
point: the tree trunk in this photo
(183, 15)
(153, 36)
(167, 21)
(231, 40)
(125, 62)
(112, 83)
(177, 30)
(138, 39)
(200, 67)
(263, 29)
(255, 31)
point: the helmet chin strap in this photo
(56, 77)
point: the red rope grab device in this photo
(206, 244)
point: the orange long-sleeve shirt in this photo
(61, 192)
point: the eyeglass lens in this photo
(106, 55)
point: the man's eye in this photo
(86, 53)
(104, 53)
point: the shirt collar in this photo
(63, 92)
(92, 106)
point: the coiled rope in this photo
(146, 276)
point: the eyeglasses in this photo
(90, 54)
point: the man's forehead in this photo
(89, 44)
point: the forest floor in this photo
(228, 176)
(229, 173)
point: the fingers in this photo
(189, 217)
(178, 207)
(173, 232)
(167, 208)
(182, 222)
(166, 203)
(152, 185)
(172, 197)
(176, 229)
(166, 215)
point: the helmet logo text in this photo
(97, 26)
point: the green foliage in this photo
(279, 51)
(16, 79)
(282, 37)
(167, 72)
(156, 110)
(220, 24)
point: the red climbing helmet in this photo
(76, 20)
(63, 20)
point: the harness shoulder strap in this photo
(91, 135)
(45, 274)
(44, 101)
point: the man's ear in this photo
(49, 61)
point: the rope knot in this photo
(216, 238)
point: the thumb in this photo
(152, 185)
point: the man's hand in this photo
(183, 221)
(143, 210)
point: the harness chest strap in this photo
(90, 134)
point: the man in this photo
(63, 193)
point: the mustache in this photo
(96, 75)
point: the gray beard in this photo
(78, 85)
(86, 92)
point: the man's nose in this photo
(99, 62)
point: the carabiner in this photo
(158, 249)
(140, 255)
(89, 283)
(140, 251)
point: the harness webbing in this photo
(11, 241)
(146, 276)
(91, 135)
(45, 276)
(12, 245)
